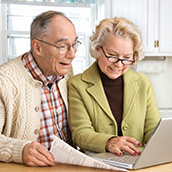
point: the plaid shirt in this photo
(53, 117)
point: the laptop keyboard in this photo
(125, 158)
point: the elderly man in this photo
(33, 92)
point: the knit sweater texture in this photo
(20, 108)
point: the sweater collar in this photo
(92, 75)
(34, 70)
(107, 81)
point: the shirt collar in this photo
(31, 65)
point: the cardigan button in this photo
(37, 109)
(38, 85)
(36, 131)
(125, 128)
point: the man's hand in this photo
(34, 154)
(119, 144)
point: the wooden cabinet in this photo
(153, 17)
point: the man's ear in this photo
(36, 46)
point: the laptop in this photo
(157, 151)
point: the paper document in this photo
(64, 153)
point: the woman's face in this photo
(120, 48)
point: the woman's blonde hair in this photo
(118, 27)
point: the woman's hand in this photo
(119, 144)
(34, 154)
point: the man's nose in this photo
(71, 53)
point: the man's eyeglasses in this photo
(116, 60)
(63, 49)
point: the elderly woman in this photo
(112, 107)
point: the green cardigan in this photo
(91, 120)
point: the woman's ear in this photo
(97, 48)
(98, 51)
(36, 46)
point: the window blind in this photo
(67, 3)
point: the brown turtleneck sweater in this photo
(114, 93)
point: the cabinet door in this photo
(165, 27)
(139, 12)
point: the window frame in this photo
(7, 33)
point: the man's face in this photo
(51, 61)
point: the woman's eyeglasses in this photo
(116, 60)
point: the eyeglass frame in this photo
(122, 60)
(68, 45)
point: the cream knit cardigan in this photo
(20, 107)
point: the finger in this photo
(115, 144)
(130, 148)
(31, 164)
(123, 143)
(44, 151)
(44, 155)
(126, 144)
(34, 162)
(133, 141)
(34, 153)
(116, 150)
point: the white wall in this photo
(162, 84)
